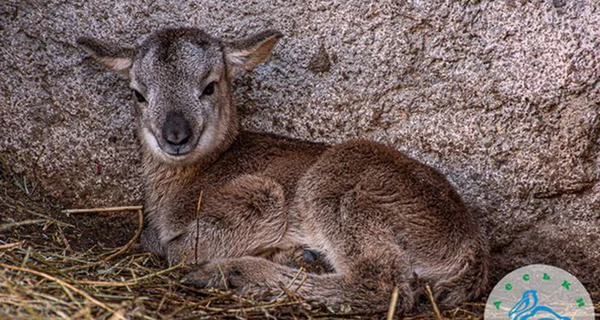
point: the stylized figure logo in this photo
(539, 292)
(528, 308)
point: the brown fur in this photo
(379, 218)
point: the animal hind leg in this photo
(368, 289)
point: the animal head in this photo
(180, 80)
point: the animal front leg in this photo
(244, 275)
(150, 240)
(245, 217)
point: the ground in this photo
(89, 266)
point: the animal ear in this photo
(245, 54)
(113, 56)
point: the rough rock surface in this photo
(501, 96)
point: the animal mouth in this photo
(177, 150)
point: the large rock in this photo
(501, 96)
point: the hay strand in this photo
(131, 242)
(393, 303)
(11, 245)
(198, 207)
(106, 209)
(436, 310)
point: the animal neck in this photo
(158, 174)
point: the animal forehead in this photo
(180, 49)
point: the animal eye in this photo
(209, 89)
(139, 96)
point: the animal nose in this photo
(177, 130)
(177, 137)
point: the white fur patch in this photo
(207, 143)
(151, 141)
(117, 64)
(239, 57)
